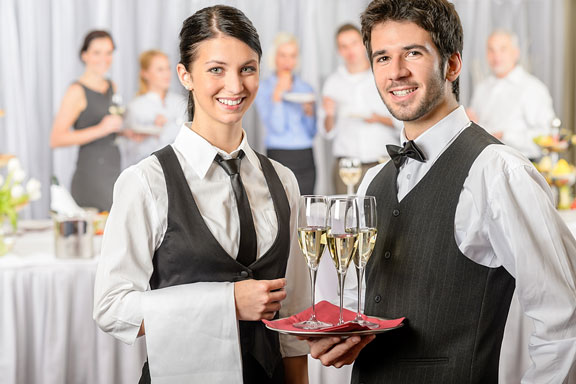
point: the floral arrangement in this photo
(13, 193)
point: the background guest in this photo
(85, 107)
(354, 116)
(511, 104)
(290, 125)
(155, 113)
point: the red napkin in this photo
(328, 312)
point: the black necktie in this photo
(399, 154)
(247, 248)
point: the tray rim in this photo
(358, 332)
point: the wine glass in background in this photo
(367, 231)
(116, 107)
(312, 240)
(350, 171)
(342, 238)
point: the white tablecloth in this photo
(514, 359)
(47, 335)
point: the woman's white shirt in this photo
(141, 113)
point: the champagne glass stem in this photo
(350, 189)
(313, 285)
(341, 277)
(360, 274)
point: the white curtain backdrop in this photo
(40, 40)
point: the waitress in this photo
(201, 241)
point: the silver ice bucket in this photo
(73, 237)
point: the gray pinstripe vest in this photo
(456, 309)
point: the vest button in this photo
(244, 274)
(387, 254)
(377, 298)
(396, 212)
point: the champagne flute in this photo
(116, 106)
(342, 238)
(312, 240)
(367, 219)
(350, 171)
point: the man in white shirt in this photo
(467, 219)
(511, 104)
(353, 116)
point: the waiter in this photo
(462, 220)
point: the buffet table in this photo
(47, 334)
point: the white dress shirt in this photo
(356, 98)
(188, 326)
(505, 217)
(141, 114)
(518, 105)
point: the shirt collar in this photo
(435, 139)
(200, 154)
(345, 73)
(515, 74)
(152, 95)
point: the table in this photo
(47, 334)
(514, 359)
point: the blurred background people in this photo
(355, 119)
(85, 107)
(286, 108)
(511, 104)
(156, 114)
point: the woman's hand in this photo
(284, 84)
(160, 120)
(258, 299)
(111, 124)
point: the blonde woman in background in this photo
(155, 114)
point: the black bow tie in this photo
(399, 154)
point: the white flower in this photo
(19, 175)
(33, 188)
(13, 165)
(17, 191)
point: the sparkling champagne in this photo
(342, 247)
(350, 176)
(312, 242)
(366, 241)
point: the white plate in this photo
(358, 116)
(299, 97)
(146, 129)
